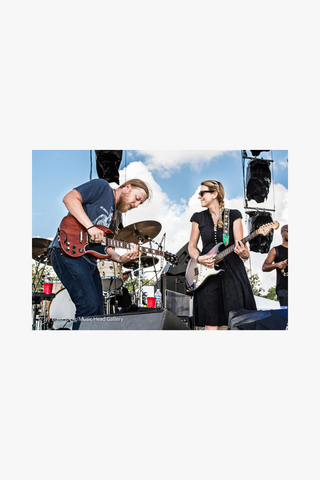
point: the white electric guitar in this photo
(197, 274)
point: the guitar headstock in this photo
(265, 229)
(171, 258)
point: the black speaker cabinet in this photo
(144, 319)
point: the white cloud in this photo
(175, 217)
(172, 216)
(280, 164)
(165, 162)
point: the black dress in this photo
(222, 293)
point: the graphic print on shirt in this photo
(103, 219)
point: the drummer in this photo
(95, 203)
(125, 276)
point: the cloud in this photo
(281, 163)
(166, 162)
(171, 215)
(175, 217)
(284, 163)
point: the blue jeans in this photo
(83, 282)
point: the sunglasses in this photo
(202, 192)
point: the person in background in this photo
(278, 258)
(123, 300)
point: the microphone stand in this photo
(133, 289)
(164, 247)
(160, 248)
(154, 265)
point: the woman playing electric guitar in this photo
(230, 291)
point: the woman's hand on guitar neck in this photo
(242, 250)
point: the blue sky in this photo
(55, 172)
(174, 177)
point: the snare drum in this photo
(110, 275)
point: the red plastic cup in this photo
(47, 287)
(151, 302)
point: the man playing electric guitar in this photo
(95, 203)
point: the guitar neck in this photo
(228, 250)
(120, 244)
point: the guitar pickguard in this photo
(97, 250)
(197, 274)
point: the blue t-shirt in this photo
(98, 203)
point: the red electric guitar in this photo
(75, 241)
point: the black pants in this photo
(283, 297)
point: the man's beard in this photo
(123, 204)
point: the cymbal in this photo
(145, 262)
(40, 247)
(133, 232)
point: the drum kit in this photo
(52, 310)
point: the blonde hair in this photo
(215, 186)
(137, 183)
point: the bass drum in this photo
(62, 307)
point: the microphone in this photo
(162, 239)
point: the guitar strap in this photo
(226, 223)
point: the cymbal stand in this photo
(140, 301)
(132, 284)
(39, 260)
(37, 279)
(35, 319)
(154, 265)
(107, 297)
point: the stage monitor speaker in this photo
(144, 319)
(258, 319)
(183, 260)
(174, 283)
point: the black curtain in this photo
(108, 163)
(256, 153)
(258, 180)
